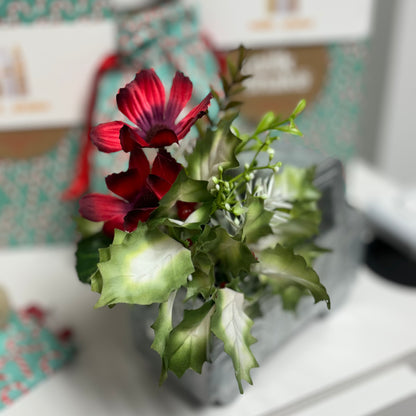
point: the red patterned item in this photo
(29, 353)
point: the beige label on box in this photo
(264, 23)
(46, 71)
(46, 74)
(282, 77)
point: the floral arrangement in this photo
(189, 216)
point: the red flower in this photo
(142, 101)
(140, 189)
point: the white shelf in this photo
(107, 377)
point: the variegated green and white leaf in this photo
(232, 326)
(183, 189)
(144, 268)
(281, 268)
(257, 220)
(295, 184)
(232, 255)
(203, 278)
(162, 328)
(163, 324)
(217, 149)
(104, 255)
(187, 346)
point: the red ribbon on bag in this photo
(80, 183)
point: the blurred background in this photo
(63, 61)
(352, 61)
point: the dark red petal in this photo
(165, 166)
(142, 101)
(197, 112)
(185, 209)
(106, 136)
(158, 185)
(134, 106)
(153, 90)
(110, 225)
(138, 160)
(126, 184)
(129, 139)
(146, 198)
(163, 138)
(98, 207)
(180, 94)
(133, 217)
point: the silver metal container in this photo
(341, 230)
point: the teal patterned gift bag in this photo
(31, 208)
(166, 38)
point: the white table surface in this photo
(107, 377)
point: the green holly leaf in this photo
(188, 343)
(203, 279)
(310, 251)
(203, 257)
(163, 324)
(302, 224)
(291, 296)
(216, 248)
(231, 325)
(257, 222)
(232, 255)
(294, 202)
(215, 150)
(184, 189)
(87, 255)
(162, 328)
(295, 184)
(144, 268)
(104, 255)
(97, 282)
(281, 269)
